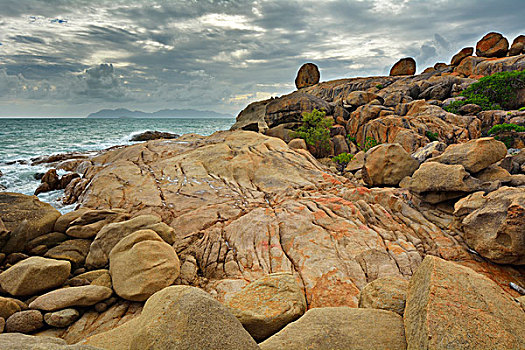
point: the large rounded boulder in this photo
(492, 45)
(405, 66)
(308, 75)
(387, 164)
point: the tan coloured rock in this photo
(493, 173)
(341, 328)
(63, 222)
(340, 145)
(34, 275)
(245, 205)
(8, 307)
(357, 162)
(465, 52)
(452, 307)
(386, 293)
(492, 45)
(24, 322)
(178, 317)
(62, 318)
(91, 222)
(307, 75)
(405, 66)
(268, 304)
(74, 251)
(494, 224)
(387, 164)
(93, 275)
(516, 49)
(111, 234)
(290, 108)
(297, 144)
(17, 341)
(141, 264)
(69, 297)
(359, 98)
(26, 217)
(437, 177)
(252, 118)
(474, 155)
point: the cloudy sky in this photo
(74, 57)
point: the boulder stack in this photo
(307, 75)
(405, 66)
(492, 45)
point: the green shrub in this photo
(315, 130)
(432, 136)
(351, 139)
(370, 142)
(495, 91)
(496, 129)
(379, 86)
(521, 109)
(343, 159)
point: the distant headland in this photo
(164, 113)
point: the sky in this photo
(73, 57)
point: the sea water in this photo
(23, 139)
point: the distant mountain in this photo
(164, 113)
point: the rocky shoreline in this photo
(253, 238)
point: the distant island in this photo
(164, 113)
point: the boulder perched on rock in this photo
(405, 66)
(340, 328)
(474, 155)
(268, 304)
(452, 307)
(178, 317)
(465, 52)
(141, 264)
(34, 275)
(492, 45)
(494, 224)
(307, 75)
(387, 164)
(17, 341)
(26, 218)
(386, 293)
(153, 135)
(111, 234)
(516, 49)
(440, 182)
(24, 322)
(72, 296)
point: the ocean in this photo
(23, 139)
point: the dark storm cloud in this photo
(219, 54)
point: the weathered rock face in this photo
(141, 264)
(494, 224)
(387, 164)
(89, 222)
(72, 296)
(179, 317)
(244, 205)
(474, 155)
(492, 45)
(34, 275)
(62, 318)
(26, 217)
(341, 328)
(268, 304)
(308, 75)
(386, 293)
(405, 66)
(252, 117)
(452, 307)
(8, 307)
(290, 108)
(17, 341)
(153, 135)
(24, 322)
(516, 49)
(467, 51)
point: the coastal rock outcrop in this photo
(451, 306)
(153, 135)
(341, 328)
(179, 317)
(387, 164)
(465, 52)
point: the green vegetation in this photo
(351, 139)
(508, 140)
(432, 136)
(370, 142)
(496, 129)
(496, 91)
(379, 86)
(521, 109)
(342, 160)
(315, 130)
